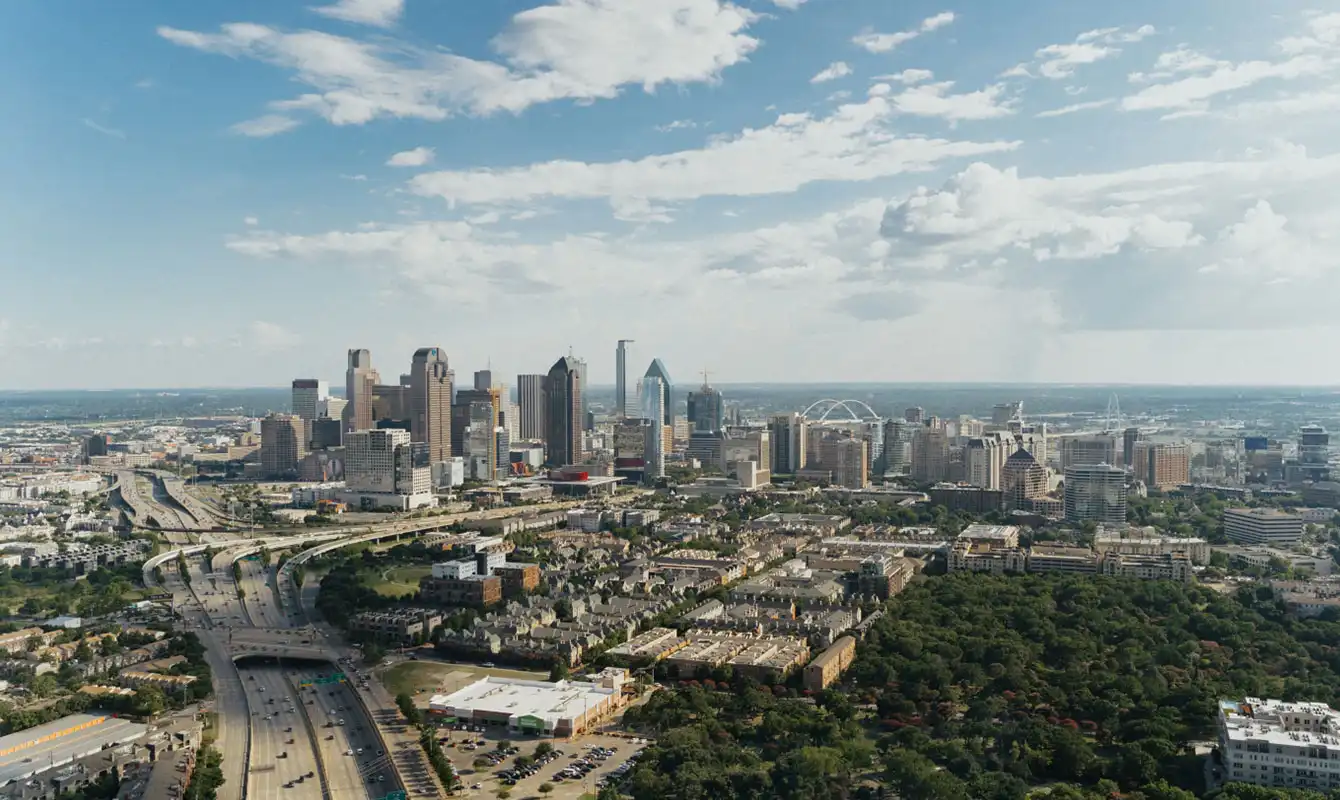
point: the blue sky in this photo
(824, 190)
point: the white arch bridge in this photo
(856, 410)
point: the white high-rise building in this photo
(623, 404)
(384, 469)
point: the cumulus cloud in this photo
(838, 69)
(876, 42)
(417, 157)
(570, 49)
(1175, 239)
(855, 142)
(937, 100)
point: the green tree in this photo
(150, 701)
(44, 685)
(560, 670)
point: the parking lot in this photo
(593, 749)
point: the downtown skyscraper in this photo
(530, 406)
(622, 408)
(359, 380)
(430, 382)
(563, 388)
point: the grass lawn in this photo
(429, 677)
(401, 580)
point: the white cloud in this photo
(935, 100)
(1184, 82)
(268, 125)
(104, 130)
(676, 125)
(1192, 92)
(855, 142)
(789, 5)
(838, 69)
(570, 49)
(380, 13)
(884, 42)
(411, 158)
(639, 209)
(1058, 61)
(1148, 227)
(1075, 108)
(145, 83)
(907, 77)
(250, 221)
(270, 336)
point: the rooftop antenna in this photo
(705, 374)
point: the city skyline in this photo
(933, 191)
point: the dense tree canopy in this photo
(978, 687)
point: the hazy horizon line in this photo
(792, 384)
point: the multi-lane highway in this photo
(230, 698)
(295, 732)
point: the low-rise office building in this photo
(1167, 567)
(1148, 542)
(473, 590)
(1062, 558)
(518, 578)
(1264, 525)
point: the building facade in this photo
(530, 405)
(1262, 526)
(1162, 466)
(1279, 744)
(359, 380)
(564, 416)
(308, 395)
(430, 392)
(1095, 493)
(283, 444)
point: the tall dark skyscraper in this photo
(563, 413)
(707, 410)
(530, 406)
(430, 381)
(1128, 439)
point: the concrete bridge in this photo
(291, 643)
